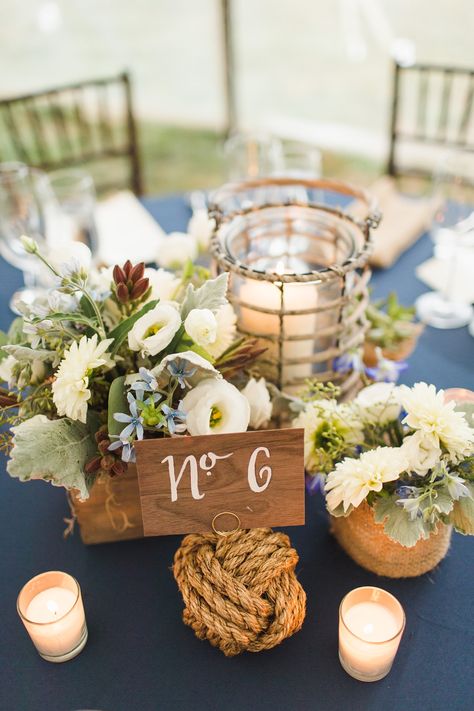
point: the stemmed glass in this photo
(75, 201)
(23, 193)
(452, 232)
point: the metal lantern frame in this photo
(234, 212)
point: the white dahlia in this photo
(439, 422)
(71, 385)
(353, 479)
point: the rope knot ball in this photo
(240, 589)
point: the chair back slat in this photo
(431, 112)
(75, 125)
(466, 114)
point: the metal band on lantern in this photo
(298, 273)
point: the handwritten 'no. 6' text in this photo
(207, 462)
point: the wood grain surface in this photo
(261, 500)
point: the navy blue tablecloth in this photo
(140, 657)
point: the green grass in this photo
(176, 159)
(179, 159)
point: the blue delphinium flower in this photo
(314, 483)
(134, 420)
(147, 383)
(181, 370)
(170, 416)
(128, 450)
(386, 371)
(350, 361)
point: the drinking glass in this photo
(452, 232)
(250, 155)
(301, 160)
(23, 195)
(75, 198)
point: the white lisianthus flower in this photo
(201, 227)
(261, 406)
(71, 385)
(422, 452)
(379, 403)
(163, 284)
(327, 423)
(214, 407)
(155, 330)
(201, 325)
(176, 249)
(438, 420)
(226, 331)
(353, 479)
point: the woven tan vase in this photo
(366, 543)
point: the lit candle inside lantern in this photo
(268, 295)
(371, 624)
(50, 606)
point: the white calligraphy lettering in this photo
(264, 471)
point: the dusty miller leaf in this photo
(211, 295)
(53, 450)
(23, 353)
(397, 523)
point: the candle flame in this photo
(52, 606)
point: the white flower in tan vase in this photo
(215, 407)
(154, 331)
(427, 412)
(71, 385)
(353, 479)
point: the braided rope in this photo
(240, 590)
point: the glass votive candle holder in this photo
(371, 624)
(50, 606)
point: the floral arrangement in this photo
(111, 356)
(404, 451)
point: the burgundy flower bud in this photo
(122, 293)
(118, 468)
(119, 275)
(103, 446)
(127, 268)
(92, 465)
(107, 462)
(139, 289)
(102, 433)
(137, 272)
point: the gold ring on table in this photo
(225, 513)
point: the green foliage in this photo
(3, 341)
(120, 332)
(117, 403)
(211, 295)
(52, 450)
(462, 515)
(390, 322)
(397, 522)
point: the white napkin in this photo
(447, 275)
(126, 230)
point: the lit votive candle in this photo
(371, 624)
(50, 606)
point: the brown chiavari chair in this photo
(432, 111)
(88, 123)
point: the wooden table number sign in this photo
(221, 482)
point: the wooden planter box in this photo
(112, 512)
